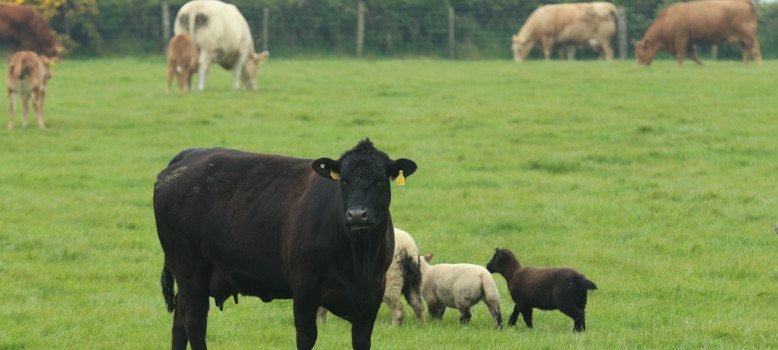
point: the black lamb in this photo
(550, 288)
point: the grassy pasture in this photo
(657, 183)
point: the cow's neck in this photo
(368, 253)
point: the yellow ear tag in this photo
(400, 179)
(334, 175)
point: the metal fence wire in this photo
(430, 28)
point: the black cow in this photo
(316, 231)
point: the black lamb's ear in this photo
(407, 167)
(327, 168)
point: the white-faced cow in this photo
(221, 35)
(316, 231)
(681, 25)
(567, 24)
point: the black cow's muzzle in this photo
(358, 218)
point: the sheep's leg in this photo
(526, 313)
(414, 300)
(514, 316)
(466, 315)
(436, 311)
(393, 301)
(494, 310)
(579, 321)
(321, 315)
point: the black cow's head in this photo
(364, 173)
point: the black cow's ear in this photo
(407, 167)
(327, 168)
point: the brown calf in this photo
(681, 25)
(181, 61)
(27, 75)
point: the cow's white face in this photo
(520, 48)
(251, 69)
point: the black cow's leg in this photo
(193, 305)
(179, 332)
(362, 328)
(305, 309)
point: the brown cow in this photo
(27, 30)
(27, 75)
(181, 61)
(681, 25)
(567, 24)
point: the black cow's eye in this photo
(379, 183)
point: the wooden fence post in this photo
(714, 51)
(621, 26)
(360, 27)
(265, 27)
(450, 32)
(165, 24)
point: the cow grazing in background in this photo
(221, 35)
(316, 231)
(181, 61)
(567, 24)
(27, 76)
(27, 30)
(681, 25)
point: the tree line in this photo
(327, 27)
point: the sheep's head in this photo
(500, 258)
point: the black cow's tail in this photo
(411, 276)
(167, 282)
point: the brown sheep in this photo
(550, 288)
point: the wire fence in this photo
(325, 28)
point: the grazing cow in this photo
(27, 30)
(567, 24)
(681, 25)
(316, 231)
(222, 35)
(181, 61)
(27, 75)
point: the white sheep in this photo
(402, 279)
(458, 286)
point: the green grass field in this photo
(657, 183)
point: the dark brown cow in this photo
(316, 231)
(681, 25)
(27, 30)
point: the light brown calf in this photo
(27, 75)
(181, 61)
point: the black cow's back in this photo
(240, 213)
